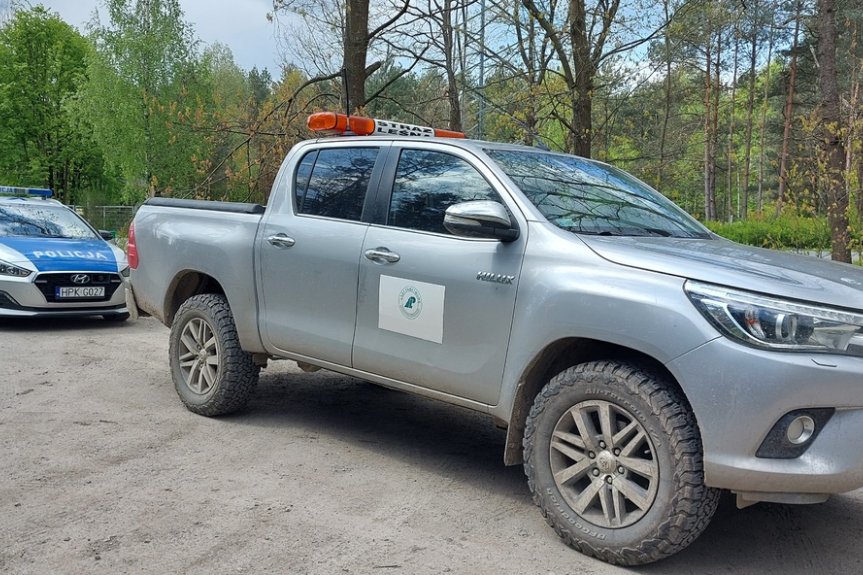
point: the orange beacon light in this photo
(333, 123)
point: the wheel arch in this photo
(555, 358)
(186, 284)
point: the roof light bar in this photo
(333, 123)
(16, 191)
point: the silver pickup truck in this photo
(639, 363)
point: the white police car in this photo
(53, 263)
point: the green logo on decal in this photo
(410, 302)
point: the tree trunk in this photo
(763, 125)
(578, 66)
(533, 60)
(153, 189)
(714, 127)
(743, 208)
(855, 132)
(667, 109)
(709, 209)
(729, 171)
(356, 44)
(789, 111)
(582, 109)
(448, 33)
(582, 116)
(831, 141)
(860, 189)
(852, 135)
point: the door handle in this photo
(382, 255)
(281, 241)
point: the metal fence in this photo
(113, 218)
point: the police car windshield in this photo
(42, 221)
(587, 197)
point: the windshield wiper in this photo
(592, 232)
(654, 232)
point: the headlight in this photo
(7, 269)
(125, 272)
(776, 324)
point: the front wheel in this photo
(613, 457)
(212, 374)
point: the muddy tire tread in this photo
(693, 504)
(239, 374)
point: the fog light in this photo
(795, 431)
(800, 430)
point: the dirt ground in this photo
(102, 470)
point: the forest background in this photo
(747, 113)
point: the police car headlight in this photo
(7, 269)
(125, 272)
(776, 324)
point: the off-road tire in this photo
(682, 505)
(235, 374)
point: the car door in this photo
(310, 247)
(427, 314)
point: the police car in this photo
(53, 263)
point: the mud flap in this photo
(131, 304)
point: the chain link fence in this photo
(113, 218)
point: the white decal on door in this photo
(411, 308)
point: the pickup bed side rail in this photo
(235, 207)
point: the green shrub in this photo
(785, 232)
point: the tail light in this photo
(132, 249)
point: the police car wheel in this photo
(212, 374)
(613, 458)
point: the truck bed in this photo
(206, 240)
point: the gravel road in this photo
(103, 471)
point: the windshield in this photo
(586, 197)
(49, 221)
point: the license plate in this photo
(79, 292)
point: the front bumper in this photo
(35, 296)
(739, 393)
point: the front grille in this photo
(48, 281)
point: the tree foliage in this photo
(142, 77)
(43, 143)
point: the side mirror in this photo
(106, 235)
(480, 219)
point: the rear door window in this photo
(333, 182)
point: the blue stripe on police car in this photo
(63, 254)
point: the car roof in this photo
(458, 142)
(30, 201)
(464, 143)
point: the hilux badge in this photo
(495, 278)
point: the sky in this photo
(239, 24)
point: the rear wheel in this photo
(613, 458)
(212, 374)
